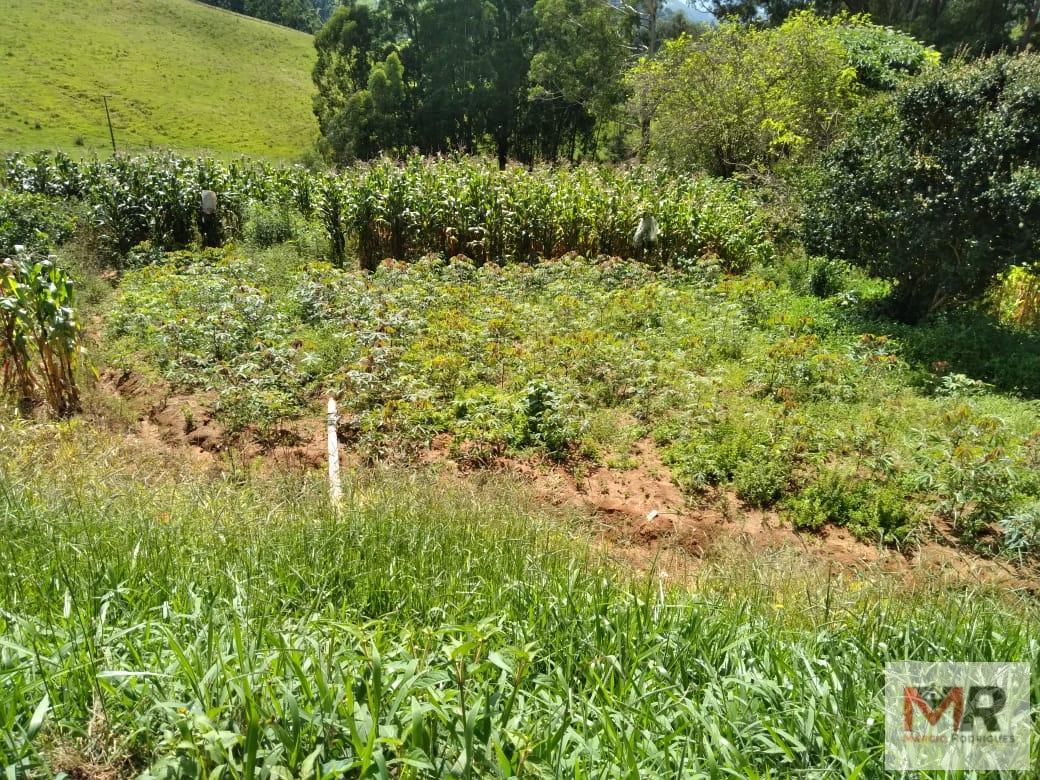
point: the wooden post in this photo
(111, 132)
(335, 486)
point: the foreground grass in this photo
(154, 619)
(180, 75)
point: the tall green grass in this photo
(157, 619)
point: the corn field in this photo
(406, 211)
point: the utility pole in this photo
(108, 116)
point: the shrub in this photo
(739, 96)
(542, 422)
(827, 277)
(33, 221)
(883, 57)
(743, 97)
(1021, 531)
(266, 226)
(939, 188)
(882, 512)
(975, 476)
(1015, 297)
(762, 482)
(829, 499)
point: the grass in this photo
(744, 384)
(181, 75)
(157, 620)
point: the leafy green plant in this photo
(830, 498)
(1015, 297)
(39, 334)
(35, 222)
(883, 57)
(1021, 531)
(934, 189)
(975, 476)
(761, 483)
(542, 420)
(266, 226)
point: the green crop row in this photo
(785, 399)
(407, 210)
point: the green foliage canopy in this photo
(520, 78)
(939, 188)
(743, 97)
(739, 97)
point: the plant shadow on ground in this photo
(967, 341)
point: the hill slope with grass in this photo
(179, 74)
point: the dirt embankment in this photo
(637, 514)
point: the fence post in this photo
(335, 486)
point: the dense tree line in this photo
(306, 15)
(953, 26)
(523, 79)
(593, 79)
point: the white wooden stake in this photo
(335, 486)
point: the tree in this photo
(305, 15)
(576, 73)
(741, 97)
(372, 119)
(937, 189)
(522, 78)
(975, 27)
(347, 49)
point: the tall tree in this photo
(576, 74)
(521, 78)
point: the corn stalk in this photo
(39, 334)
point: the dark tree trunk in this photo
(502, 144)
(1030, 25)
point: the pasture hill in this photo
(178, 74)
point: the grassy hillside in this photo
(180, 74)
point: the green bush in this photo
(35, 222)
(829, 499)
(883, 57)
(740, 97)
(266, 226)
(1021, 531)
(761, 483)
(542, 422)
(937, 189)
(883, 512)
(826, 277)
(975, 478)
(870, 508)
